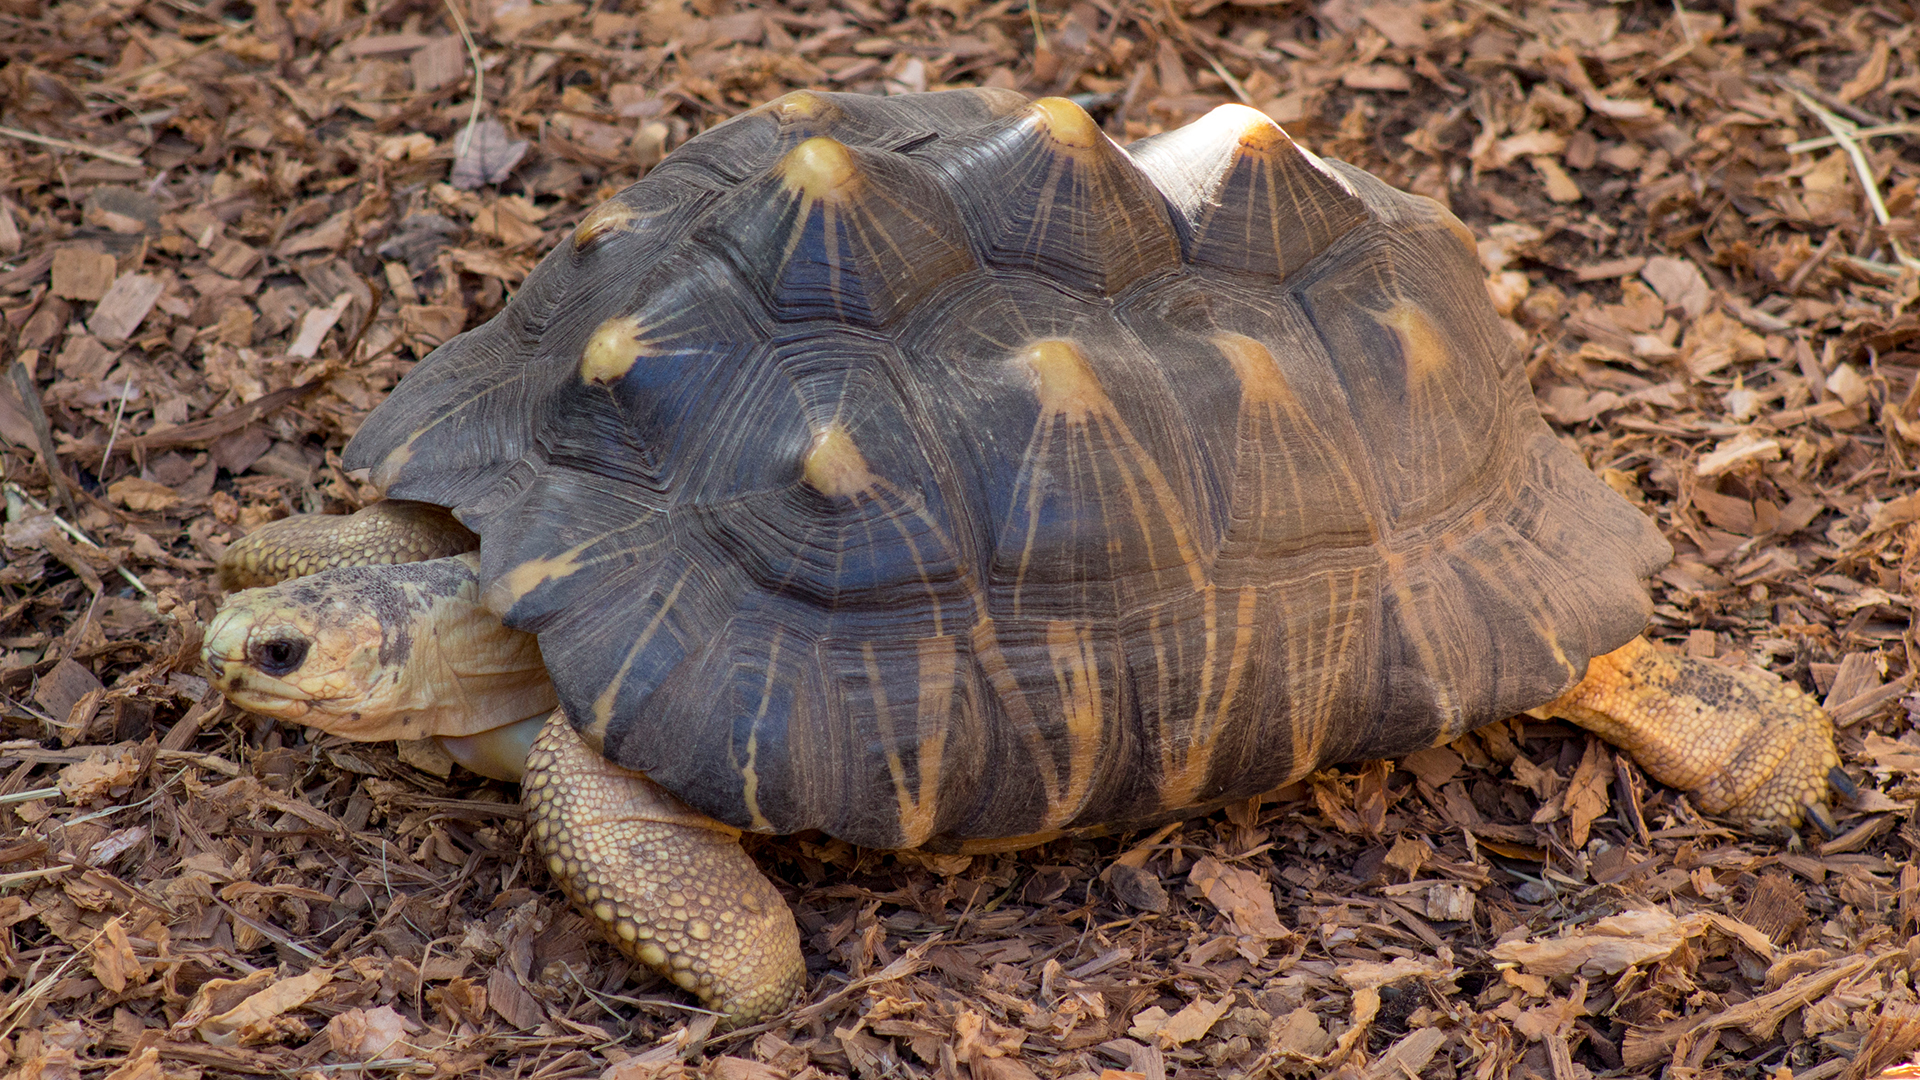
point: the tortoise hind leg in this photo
(671, 887)
(1740, 743)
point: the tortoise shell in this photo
(931, 468)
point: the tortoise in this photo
(934, 472)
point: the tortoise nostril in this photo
(277, 656)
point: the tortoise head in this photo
(291, 654)
(399, 651)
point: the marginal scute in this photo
(938, 678)
(1458, 228)
(612, 351)
(511, 587)
(819, 168)
(834, 465)
(387, 470)
(609, 217)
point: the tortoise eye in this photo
(277, 656)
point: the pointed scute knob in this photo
(1257, 202)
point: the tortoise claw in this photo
(1822, 819)
(1843, 783)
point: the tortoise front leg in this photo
(382, 533)
(671, 887)
(1740, 743)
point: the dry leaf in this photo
(1586, 797)
(218, 995)
(1554, 1018)
(82, 272)
(488, 155)
(114, 963)
(1846, 384)
(1735, 452)
(1371, 975)
(314, 326)
(1893, 755)
(252, 1018)
(366, 1034)
(1560, 187)
(97, 776)
(1409, 854)
(142, 496)
(1299, 1034)
(1183, 1027)
(1400, 24)
(1243, 896)
(739, 1068)
(125, 306)
(1679, 284)
(1608, 947)
(1870, 74)
(1449, 903)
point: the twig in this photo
(1503, 15)
(1824, 141)
(1819, 256)
(270, 932)
(126, 391)
(139, 73)
(1226, 76)
(213, 427)
(1844, 133)
(30, 795)
(114, 156)
(479, 79)
(8, 881)
(29, 392)
(1787, 82)
(76, 535)
(31, 995)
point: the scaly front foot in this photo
(670, 886)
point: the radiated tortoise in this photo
(933, 471)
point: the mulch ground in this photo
(227, 229)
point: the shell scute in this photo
(1254, 199)
(1046, 191)
(841, 232)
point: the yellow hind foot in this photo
(1739, 742)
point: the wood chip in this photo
(82, 273)
(125, 306)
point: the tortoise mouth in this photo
(250, 668)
